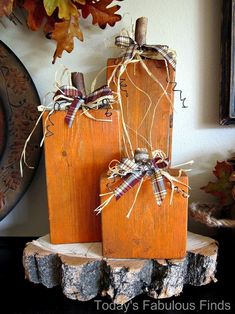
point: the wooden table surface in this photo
(20, 296)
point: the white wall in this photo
(192, 28)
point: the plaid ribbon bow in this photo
(77, 101)
(133, 170)
(148, 51)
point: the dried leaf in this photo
(49, 26)
(50, 6)
(6, 7)
(60, 18)
(101, 13)
(65, 8)
(36, 13)
(222, 189)
(64, 34)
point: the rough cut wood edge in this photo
(84, 278)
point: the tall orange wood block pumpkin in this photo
(75, 158)
(151, 231)
(147, 90)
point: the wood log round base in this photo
(83, 273)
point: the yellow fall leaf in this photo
(65, 8)
(50, 6)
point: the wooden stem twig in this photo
(78, 82)
(141, 30)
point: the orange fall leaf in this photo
(101, 13)
(36, 13)
(64, 34)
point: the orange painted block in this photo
(140, 98)
(152, 231)
(75, 159)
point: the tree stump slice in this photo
(83, 273)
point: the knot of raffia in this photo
(147, 51)
(135, 171)
(74, 99)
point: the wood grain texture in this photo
(136, 103)
(75, 159)
(151, 231)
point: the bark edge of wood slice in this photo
(83, 273)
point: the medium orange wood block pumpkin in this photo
(152, 231)
(75, 158)
(138, 104)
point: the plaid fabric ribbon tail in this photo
(137, 172)
(98, 95)
(124, 41)
(159, 189)
(128, 43)
(129, 181)
(158, 184)
(164, 51)
(73, 108)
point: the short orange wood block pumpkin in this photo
(75, 159)
(151, 231)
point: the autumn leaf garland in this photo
(60, 18)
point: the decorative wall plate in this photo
(18, 114)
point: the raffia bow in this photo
(75, 100)
(134, 171)
(147, 51)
